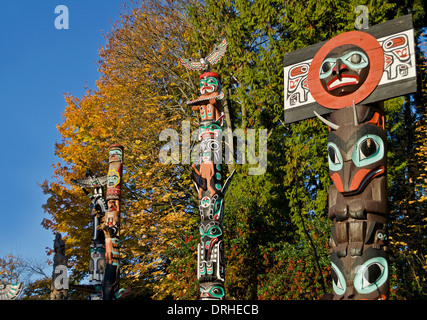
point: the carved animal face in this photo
(210, 234)
(344, 70)
(356, 152)
(209, 84)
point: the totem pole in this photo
(59, 276)
(347, 79)
(208, 177)
(112, 223)
(98, 208)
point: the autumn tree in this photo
(140, 93)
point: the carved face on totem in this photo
(344, 70)
(210, 257)
(209, 82)
(356, 153)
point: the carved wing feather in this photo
(103, 180)
(217, 53)
(193, 64)
(83, 183)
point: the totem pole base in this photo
(110, 284)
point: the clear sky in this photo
(38, 64)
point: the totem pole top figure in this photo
(205, 62)
(355, 67)
(210, 82)
(91, 181)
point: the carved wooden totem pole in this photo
(347, 79)
(104, 250)
(112, 223)
(208, 175)
(98, 208)
(59, 276)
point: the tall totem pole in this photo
(104, 250)
(344, 82)
(208, 176)
(98, 208)
(112, 223)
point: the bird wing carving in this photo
(83, 183)
(193, 64)
(103, 180)
(211, 59)
(217, 53)
(90, 182)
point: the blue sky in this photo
(38, 64)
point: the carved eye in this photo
(214, 231)
(338, 280)
(326, 66)
(356, 58)
(217, 292)
(334, 157)
(368, 148)
(371, 275)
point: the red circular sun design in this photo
(376, 59)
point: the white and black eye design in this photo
(371, 275)
(210, 145)
(368, 149)
(338, 280)
(334, 157)
(356, 60)
(326, 66)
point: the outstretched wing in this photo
(217, 53)
(90, 182)
(193, 64)
(103, 180)
(83, 183)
